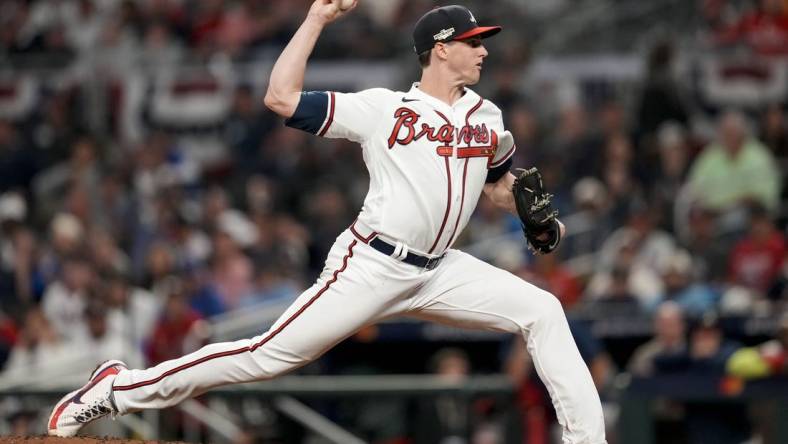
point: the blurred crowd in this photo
(121, 243)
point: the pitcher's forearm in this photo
(501, 193)
(287, 75)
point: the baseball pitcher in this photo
(431, 152)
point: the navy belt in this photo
(412, 258)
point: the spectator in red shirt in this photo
(169, 338)
(757, 258)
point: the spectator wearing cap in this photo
(735, 169)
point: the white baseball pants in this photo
(361, 286)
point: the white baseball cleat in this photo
(91, 402)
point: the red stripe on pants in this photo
(245, 349)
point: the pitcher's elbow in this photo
(284, 104)
(273, 102)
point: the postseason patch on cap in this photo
(444, 34)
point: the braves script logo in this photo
(407, 130)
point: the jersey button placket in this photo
(456, 174)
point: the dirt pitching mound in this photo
(76, 440)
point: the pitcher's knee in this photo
(528, 305)
(552, 306)
(545, 308)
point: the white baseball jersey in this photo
(427, 160)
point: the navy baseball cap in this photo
(448, 23)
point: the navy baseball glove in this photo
(536, 212)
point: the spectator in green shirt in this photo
(736, 169)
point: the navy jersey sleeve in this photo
(311, 113)
(494, 174)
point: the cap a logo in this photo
(445, 33)
(473, 19)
